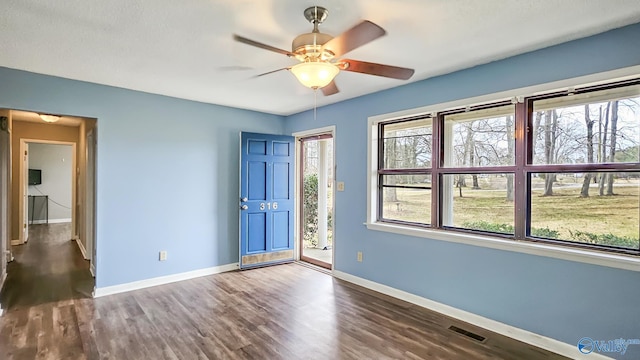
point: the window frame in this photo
(522, 240)
(382, 171)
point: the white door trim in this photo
(89, 203)
(22, 182)
(296, 229)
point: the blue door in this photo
(266, 199)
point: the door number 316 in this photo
(269, 206)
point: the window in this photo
(559, 168)
(480, 143)
(479, 138)
(405, 171)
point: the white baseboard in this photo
(92, 269)
(556, 346)
(81, 247)
(16, 242)
(116, 289)
(51, 221)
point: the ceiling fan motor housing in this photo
(308, 47)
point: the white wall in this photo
(56, 163)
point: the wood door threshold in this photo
(314, 267)
(316, 262)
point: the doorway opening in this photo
(316, 164)
(48, 180)
(52, 206)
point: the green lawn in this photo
(565, 212)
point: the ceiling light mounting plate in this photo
(316, 14)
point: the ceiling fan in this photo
(319, 53)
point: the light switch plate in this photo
(340, 185)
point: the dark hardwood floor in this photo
(48, 268)
(281, 312)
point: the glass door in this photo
(316, 187)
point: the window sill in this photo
(565, 253)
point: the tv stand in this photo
(32, 206)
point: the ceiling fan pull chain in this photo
(315, 105)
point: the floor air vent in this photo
(467, 333)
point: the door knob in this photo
(244, 199)
(244, 207)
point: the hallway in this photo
(48, 268)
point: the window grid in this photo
(382, 170)
(522, 169)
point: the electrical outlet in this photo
(359, 256)
(163, 255)
(340, 185)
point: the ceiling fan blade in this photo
(355, 37)
(272, 71)
(244, 40)
(330, 89)
(364, 67)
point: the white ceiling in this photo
(185, 48)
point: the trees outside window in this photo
(577, 175)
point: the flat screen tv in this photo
(35, 177)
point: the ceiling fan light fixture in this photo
(317, 53)
(49, 118)
(315, 75)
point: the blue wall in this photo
(560, 299)
(167, 172)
